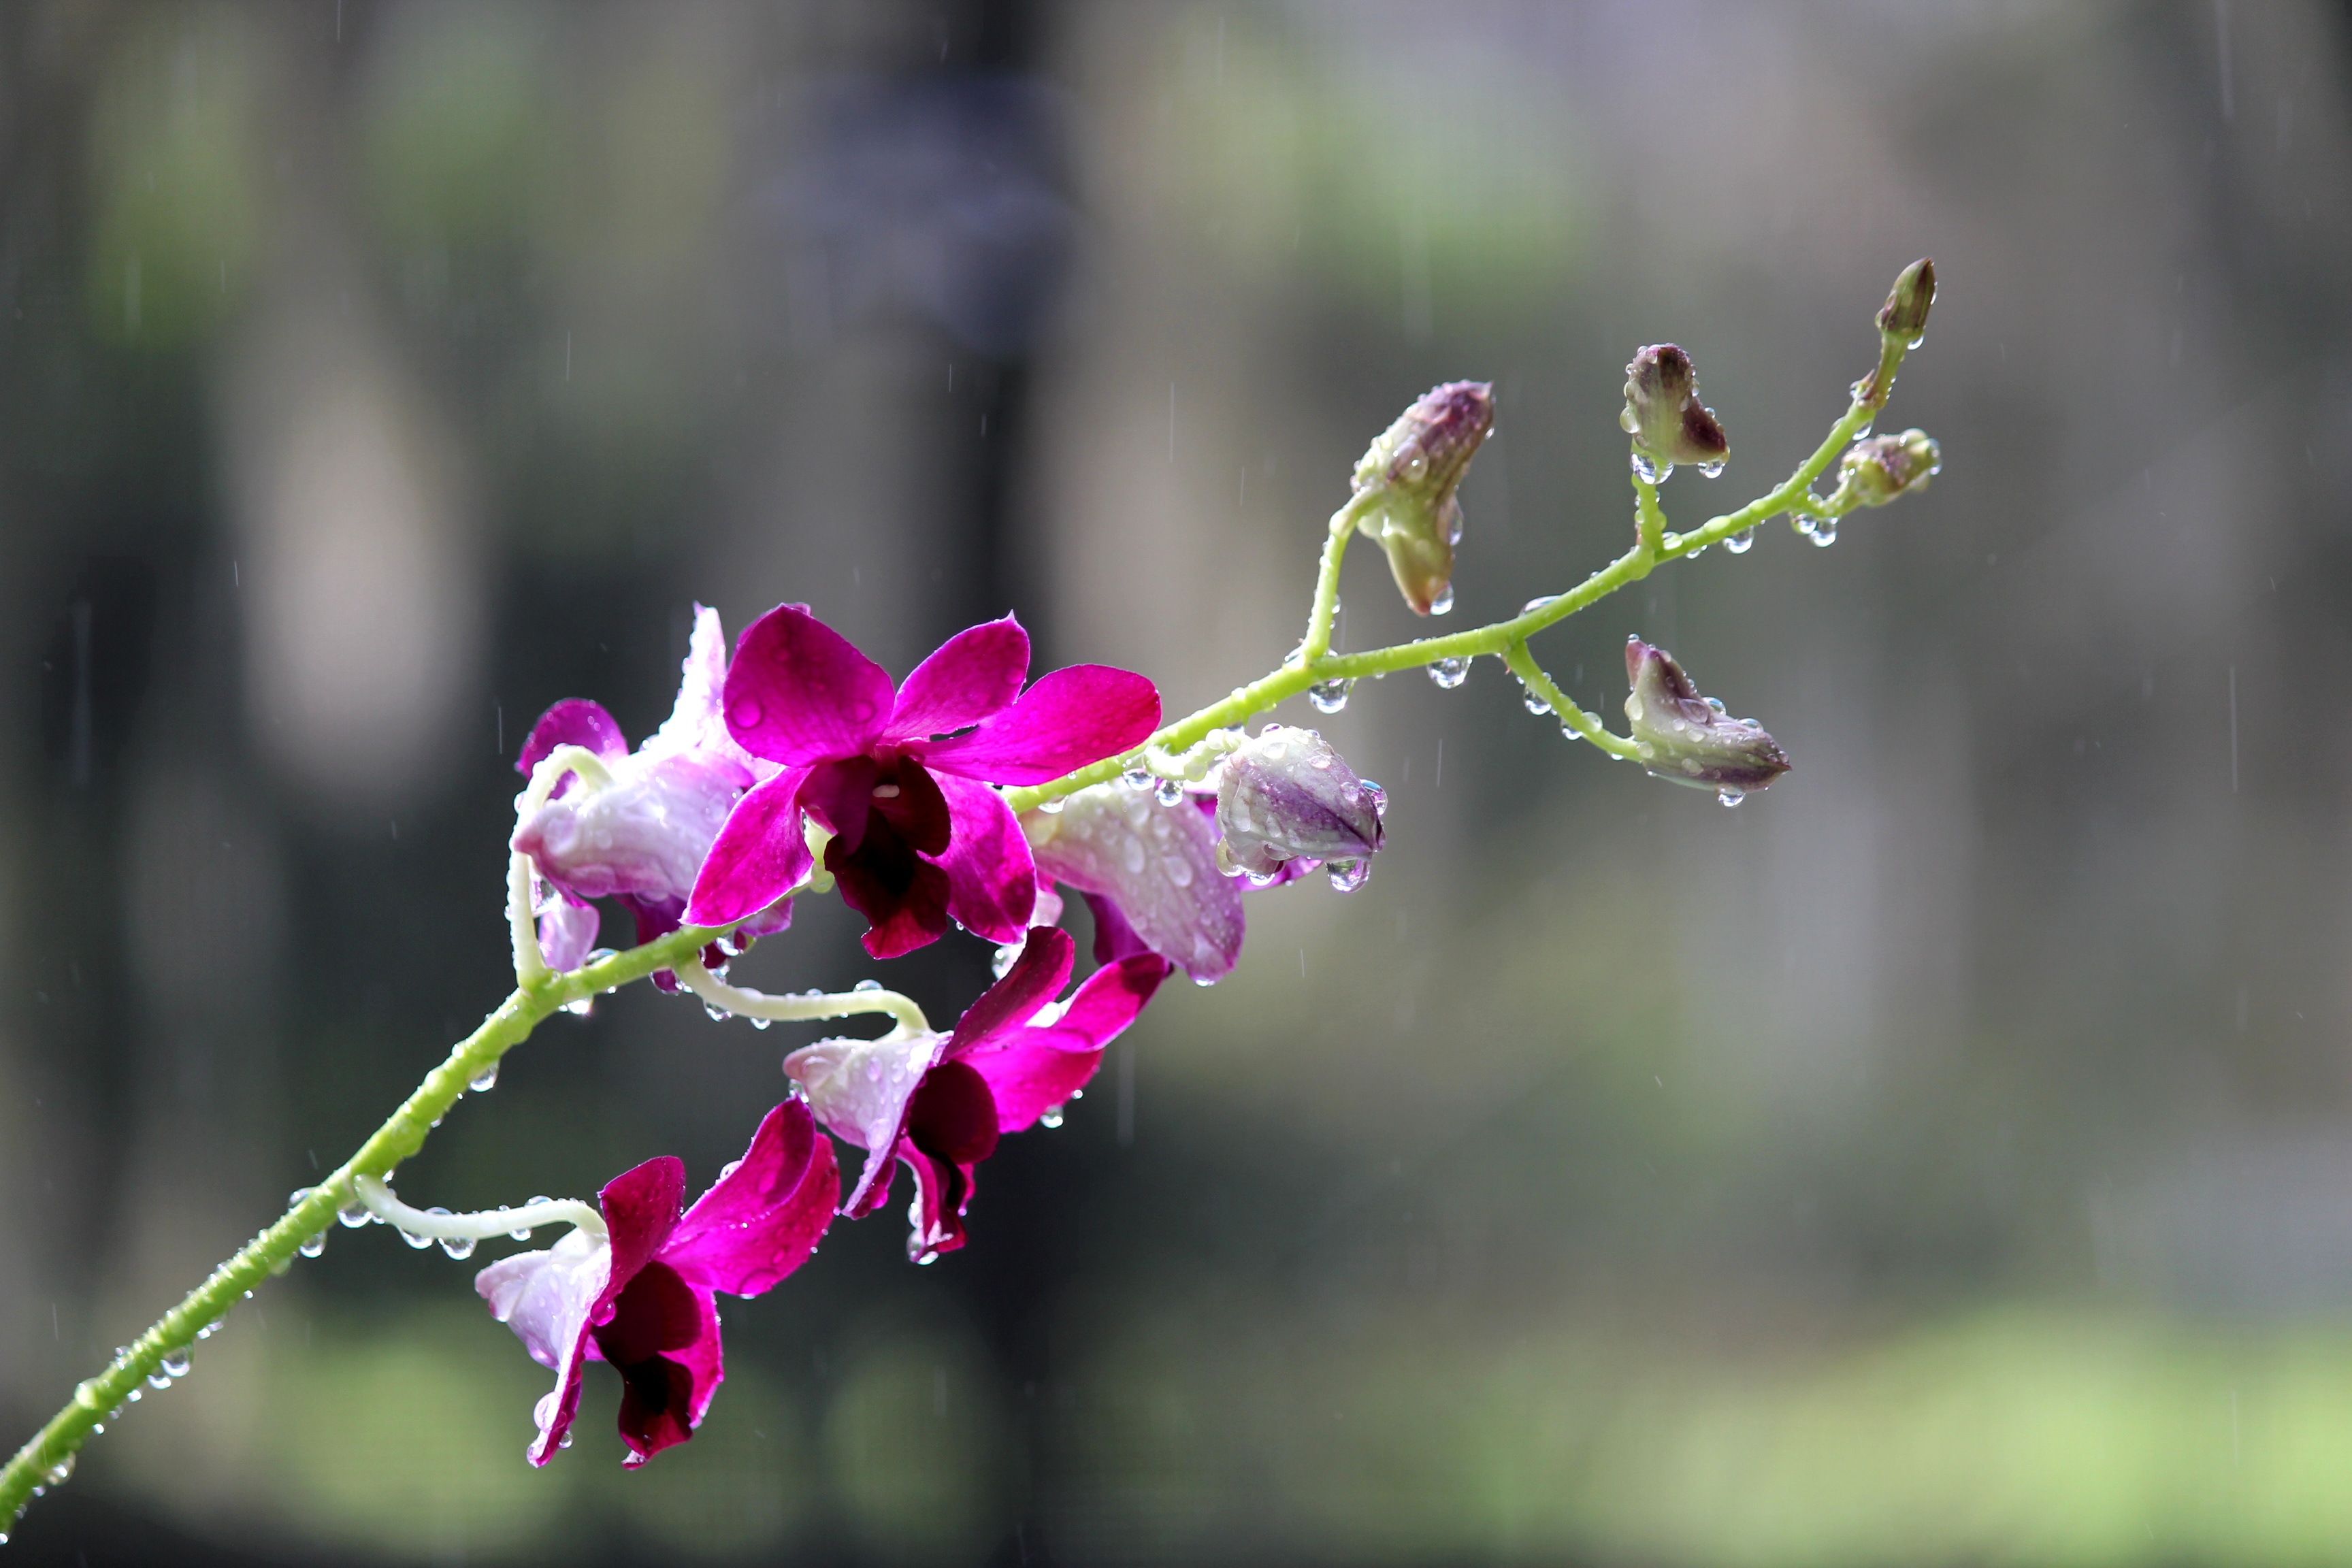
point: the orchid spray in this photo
(965, 794)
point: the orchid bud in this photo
(1288, 795)
(1665, 418)
(1687, 739)
(1875, 472)
(1411, 472)
(1904, 317)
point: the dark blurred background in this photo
(1946, 1157)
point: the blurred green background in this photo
(1945, 1158)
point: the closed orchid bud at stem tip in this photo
(1663, 413)
(1405, 486)
(1904, 315)
(1687, 739)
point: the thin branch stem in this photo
(383, 1203)
(798, 1009)
(1571, 717)
(1488, 641)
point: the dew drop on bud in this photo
(1730, 796)
(1329, 696)
(1449, 673)
(1712, 470)
(1442, 602)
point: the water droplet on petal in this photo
(745, 714)
(1051, 1118)
(1347, 876)
(1449, 673)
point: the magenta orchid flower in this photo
(641, 1296)
(900, 776)
(939, 1102)
(638, 835)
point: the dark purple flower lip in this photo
(900, 775)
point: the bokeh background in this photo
(1946, 1157)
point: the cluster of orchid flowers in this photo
(797, 767)
(968, 796)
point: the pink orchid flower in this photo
(640, 1297)
(900, 776)
(939, 1102)
(641, 837)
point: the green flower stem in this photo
(800, 1009)
(1571, 717)
(1318, 641)
(1649, 522)
(273, 1250)
(1308, 667)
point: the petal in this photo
(991, 881)
(942, 1192)
(952, 1117)
(914, 806)
(640, 1207)
(567, 930)
(1114, 938)
(1030, 1072)
(860, 1090)
(799, 693)
(695, 722)
(1069, 718)
(903, 897)
(840, 794)
(757, 857)
(1158, 864)
(765, 1214)
(663, 1338)
(644, 833)
(974, 676)
(1035, 978)
(574, 722)
(546, 1297)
